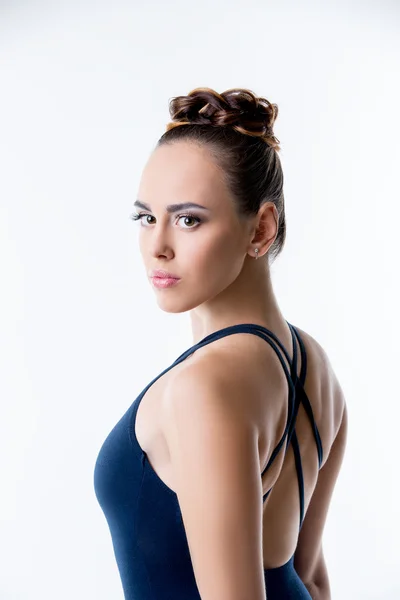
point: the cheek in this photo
(204, 252)
(216, 263)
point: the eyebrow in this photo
(171, 208)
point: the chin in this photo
(179, 304)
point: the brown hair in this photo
(237, 127)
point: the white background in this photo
(84, 98)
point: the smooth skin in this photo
(221, 412)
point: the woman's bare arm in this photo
(216, 465)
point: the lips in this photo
(161, 274)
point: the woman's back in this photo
(281, 538)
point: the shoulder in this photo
(317, 354)
(331, 410)
(323, 368)
(212, 386)
(227, 386)
(216, 414)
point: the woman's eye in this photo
(190, 217)
(143, 216)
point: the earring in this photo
(256, 251)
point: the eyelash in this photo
(139, 216)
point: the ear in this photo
(266, 227)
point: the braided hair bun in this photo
(238, 108)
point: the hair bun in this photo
(238, 108)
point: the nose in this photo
(160, 243)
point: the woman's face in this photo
(206, 250)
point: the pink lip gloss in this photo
(161, 282)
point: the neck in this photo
(249, 299)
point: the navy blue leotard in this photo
(143, 513)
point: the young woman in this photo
(216, 481)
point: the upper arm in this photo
(215, 464)
(309, 560)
